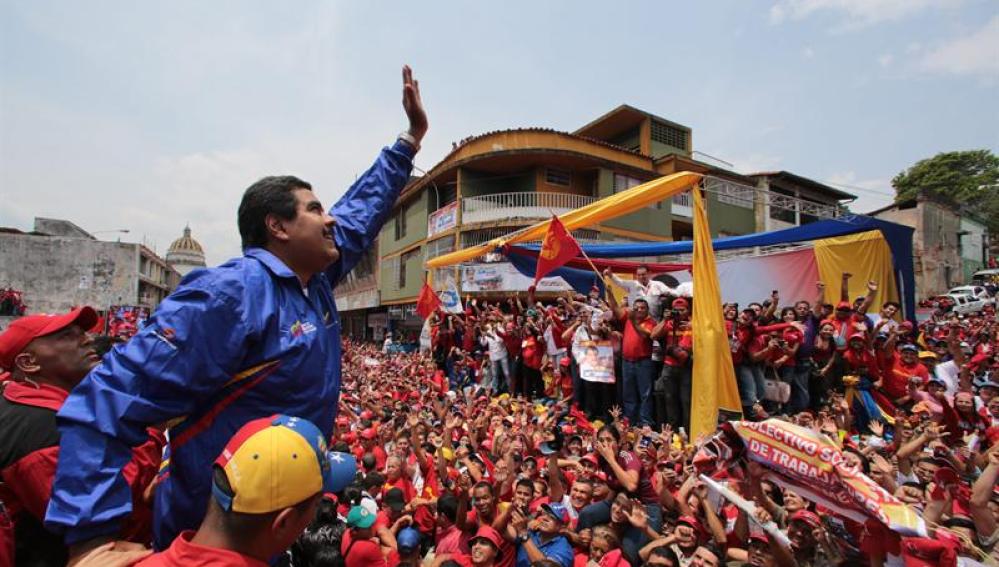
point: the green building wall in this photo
(648, 220)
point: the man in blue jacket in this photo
(256, 336)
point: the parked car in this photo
(974, 291)
(965, 304)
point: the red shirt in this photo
(532, 352)
(682, 338)
(183, 552)
(896, 381)
(636, 347)
(365, 553)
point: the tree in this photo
(969, 179)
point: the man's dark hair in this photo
(642, 267)
(891, 304)
(372, 480)
(368, 462)
(525, 482)
(486, 485)
(447, 506)
(665, 552)
(272, 195)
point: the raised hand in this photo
(413, 105)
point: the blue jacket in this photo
(231, 344)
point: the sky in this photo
(147, 116)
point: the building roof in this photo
(620, 119)
(805, 182)
(440, 166)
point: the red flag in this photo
(428, 302)
(557, 249)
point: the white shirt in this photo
(497, 348)
(948, 372)
(650, 292)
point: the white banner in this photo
(502, 276)
(443, 219)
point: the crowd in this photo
(235, 427)
(514, 440)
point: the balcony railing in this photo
(527, 205)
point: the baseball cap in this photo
(556, 511)
(489, 534)
(360, 517)
(909, 348)
(927, 354)
(807, 516)
(408, 539)
(680, 302)
(844, 306)
(276, 462)
(394, 499)
(26, 329)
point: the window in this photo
(624, 182)
(400, 223)
(403, 262)
(555, 176)
(439, 247)
(669, 135)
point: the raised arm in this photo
(364, 208)
(844, 287)
(872, 290)
(820, 300)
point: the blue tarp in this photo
(580, 280)
(898, 237)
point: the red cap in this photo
(690, 521)
(489, 534)
(680, 302)
(857, 335)
(844, 305)
(367, 414)
(808, 517)
(369, 433)
(26, 329)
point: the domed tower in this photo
(186, 254)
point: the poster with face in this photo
(596, 361)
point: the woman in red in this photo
(532, 354)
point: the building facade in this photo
(58, 266)
(494, 183)
(949, 245)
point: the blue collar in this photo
(271, 262)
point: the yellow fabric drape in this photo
(867, 256)
(607, 208)
(714, 386)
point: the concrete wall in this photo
(57, 273)
(972, 248)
